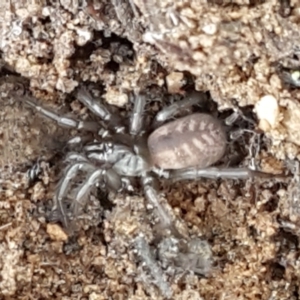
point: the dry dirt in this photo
(245, 53)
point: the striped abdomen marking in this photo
(195, 140)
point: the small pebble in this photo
(175, 81)
(56, 233)
(115, 97)
(267, 111)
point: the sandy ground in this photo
(245, 54)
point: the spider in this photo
(181, 149)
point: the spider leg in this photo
(61, 120)
(136, 122)
(173, 109)
(113, 181)
(127, 184)
(65, 182)
(213, 173)
(84, 190)
(100, 110)
(153, 198)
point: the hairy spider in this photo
(179, 150)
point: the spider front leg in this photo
(65, 183)
(94, 176)
(114, 161)
(108, 176)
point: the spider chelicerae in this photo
(181, 149)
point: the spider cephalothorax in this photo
(181, 149)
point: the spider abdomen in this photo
(195, 140)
